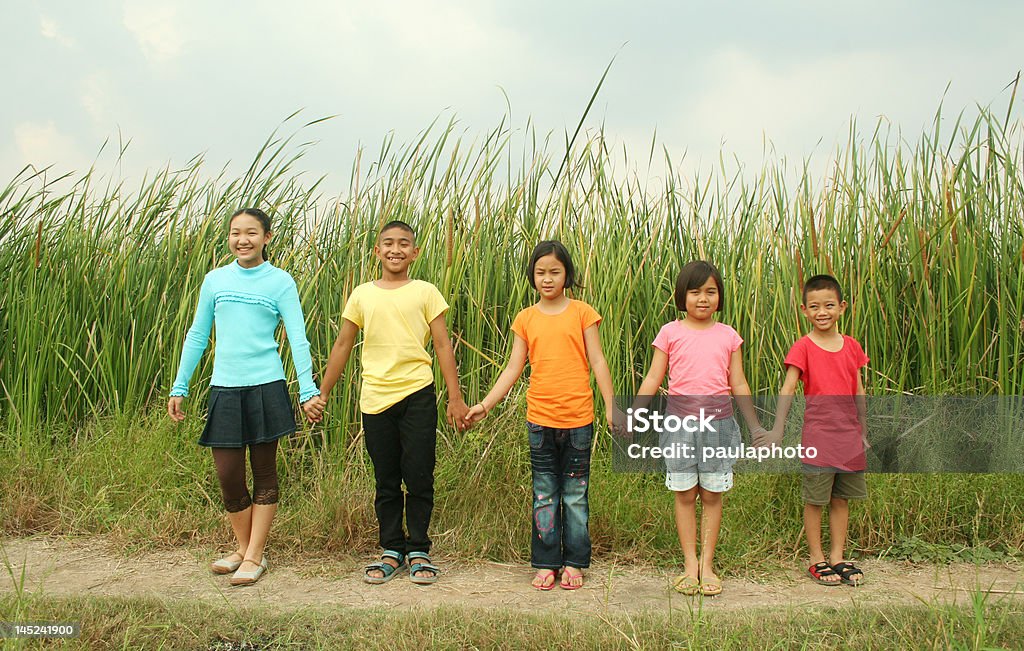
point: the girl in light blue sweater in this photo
(249, 404)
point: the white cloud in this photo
(41, 144)
(95, 92)
(51, 30)
(155, 28)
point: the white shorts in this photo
(716, 482)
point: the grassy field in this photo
(123, 624)
(100, 283)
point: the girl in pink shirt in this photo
(705, 368)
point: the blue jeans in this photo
(560, 464)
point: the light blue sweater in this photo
(247, 305)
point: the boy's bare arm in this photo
(457, 409)
(741, 392)
(785, 401)
(339, 357)
(862, 409)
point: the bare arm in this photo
(741, 392)
(862, 409)
(339, 357)
(785, 401)
(592, 340)
(508, 377)
(456, 411)
(652, 381)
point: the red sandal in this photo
(819, 571)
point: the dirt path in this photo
(93, 566)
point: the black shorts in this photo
(241, 416)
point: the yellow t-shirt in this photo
(396, 328)
(559, 395)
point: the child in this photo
(704, 364)
(559, 336)
(249, 404)
(398, 315)
(828, 363)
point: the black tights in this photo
(230, 463)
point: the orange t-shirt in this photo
(559, 395)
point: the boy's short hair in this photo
(557, 249)
(693, 276)
(397, 223)
(819, 282)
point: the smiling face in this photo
(549, 276)
(246, 239)
(396, 249)
(702, 302)
(823, 309)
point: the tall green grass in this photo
(100, 283)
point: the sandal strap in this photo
(821, 569)
(386, 568)
(846, 570)
(390, 553)
(419, 567)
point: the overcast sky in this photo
(189, 77)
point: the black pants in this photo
(401, 441)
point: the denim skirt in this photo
(241, 416)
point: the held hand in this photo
(475, 414)
(174, 408)
(456, 413)
(767, 438)
(314, 409)
(616, 421)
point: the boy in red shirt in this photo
(829, 364)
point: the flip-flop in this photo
(568, 586)
(686, 585)
(545, 586)
(845, 570)
(820, 570)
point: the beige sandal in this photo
(686, 585)
(249, 578)
(226, 565)
(711, 588)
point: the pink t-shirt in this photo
(831, 424)
(698, 364)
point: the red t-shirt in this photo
(831, 424)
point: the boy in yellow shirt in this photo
(398, 315)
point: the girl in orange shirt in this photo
(559, 337)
